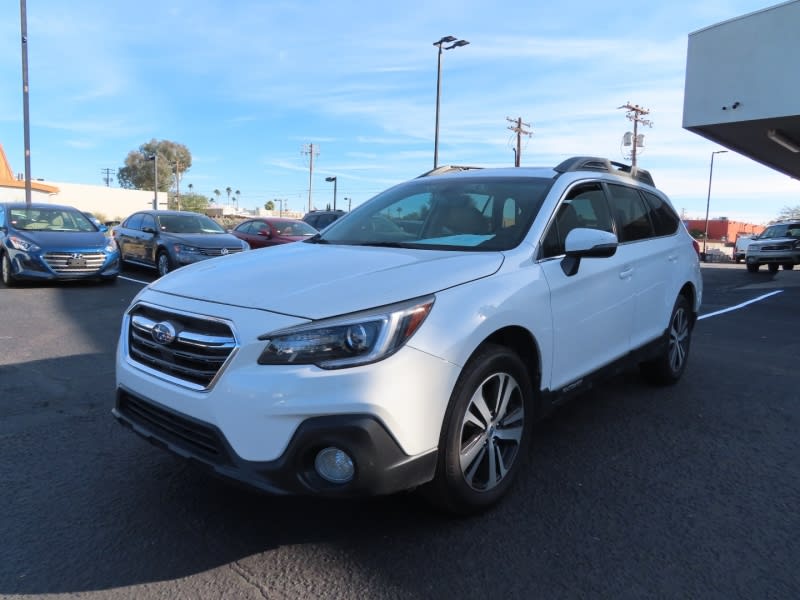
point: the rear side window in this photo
(135, 222)
(630, 213)
(664, 218)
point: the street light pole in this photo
(708, 199)
(456, 44)
(154, 158)
(333, 179)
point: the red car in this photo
(271, 231)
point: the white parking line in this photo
(133, 280)
(738, 306)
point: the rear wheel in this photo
(668, 368)
(788, 266)
(8, 277)
(485, 434)
(164, 263)
(773, 267)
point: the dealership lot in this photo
(688, 491)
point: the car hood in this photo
(203, 240)
(66, 239)
(314, 281)
(772, 241)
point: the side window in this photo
(630, 213)
(2, 216)
(663, 216)
(148, 221)
(135, 222)
(585, 206)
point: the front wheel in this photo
(164, 263)
(788, 266)
(752, 267)
(668, 368)
(8, 277)
(485, 434)
(773, 267)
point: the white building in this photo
(742, 89)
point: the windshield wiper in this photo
(316, 239)
(385, 244)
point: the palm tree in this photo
(228, 191)
(217, 193)
(237, 192)
(191, 187)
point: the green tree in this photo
(269, 205)
(194, 202)
(174, 160)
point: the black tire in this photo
(752, 268)
(486, 433)
(788, 266)
(773, 267)
(5, 268)
(668, 368)
(164, 263)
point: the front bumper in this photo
(381, 466)
(33, 267)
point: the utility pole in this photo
(107, 178)
(178, 183)
(518, 128)
(23, 14)
(635, 114)
(309, 150)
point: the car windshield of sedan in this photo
(49, 219)
(189, 224)
(465, 213)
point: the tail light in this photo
(696, 247)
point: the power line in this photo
(107, 172)
(635, 114)
(308, 150)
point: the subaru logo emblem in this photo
(163, 333)
(75, 255)
(224, 251)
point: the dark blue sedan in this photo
(53, 242)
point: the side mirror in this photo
(148, 230)
(587, 243)
(264, 233)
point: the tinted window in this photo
(134, 221)
(148, 222)
(664, 218)
(630, 213)
(584, 206)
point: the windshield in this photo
(50, 219)
(195, 223)
(780, 231)
(465, 213)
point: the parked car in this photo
(372, 359)
(272, 231)
(53, 242)
(740, 246)
(320, 219)
(778, 245)
(168, 239)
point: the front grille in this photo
(219, 251)
(776, 248)
(196, 354)
(77, 263)
(198, 439)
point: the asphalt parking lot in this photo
(629, 492)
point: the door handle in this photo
(626, 273)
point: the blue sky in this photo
(246, 85)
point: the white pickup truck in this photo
(740, 247)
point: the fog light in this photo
(334, 465)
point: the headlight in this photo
(245, 245)
(184, 249)
(111, 246)
(23, 244)
(348, 341)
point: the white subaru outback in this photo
(414, 342)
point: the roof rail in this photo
(447, 169)
(593, 163)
